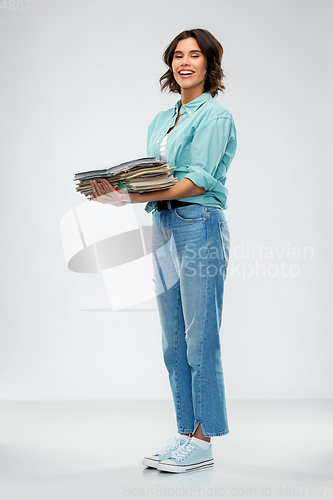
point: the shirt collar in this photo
(193, 105)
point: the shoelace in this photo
(183, 451)
(171, 444)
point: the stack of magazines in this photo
(141, 175)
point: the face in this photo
(189, 64)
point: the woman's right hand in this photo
(104, 192)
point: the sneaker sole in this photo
(150, 462)
(185, 468)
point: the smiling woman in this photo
(205, 45)
(189, 67)
(191, 241)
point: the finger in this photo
(99, 193)
(107, 182)
(107, 185)
(94, 188)
(99, 188)
(106, 188)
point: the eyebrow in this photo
(180, 52)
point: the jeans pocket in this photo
(191, 213)
(225, 239)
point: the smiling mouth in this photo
(185, 73)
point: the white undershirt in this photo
(162, 149)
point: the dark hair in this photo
(213, 51)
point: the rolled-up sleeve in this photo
(213, 140)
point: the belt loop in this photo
(169, 205)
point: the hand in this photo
(104, 192)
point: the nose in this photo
(184, 62)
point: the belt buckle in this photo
(163, 204)
(158, 208)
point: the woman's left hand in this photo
(104, 192)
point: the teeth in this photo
(186, 72)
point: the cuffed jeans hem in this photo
(222, 433)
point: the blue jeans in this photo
(191, 252)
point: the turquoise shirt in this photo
(201, 147)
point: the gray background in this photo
(79, 87)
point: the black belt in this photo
(163, 205)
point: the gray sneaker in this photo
(162, 454)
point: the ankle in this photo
(203, 438)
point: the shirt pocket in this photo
(179, 146)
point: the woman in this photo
(191, 244)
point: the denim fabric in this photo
(191, 252)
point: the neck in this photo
(189, 95)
